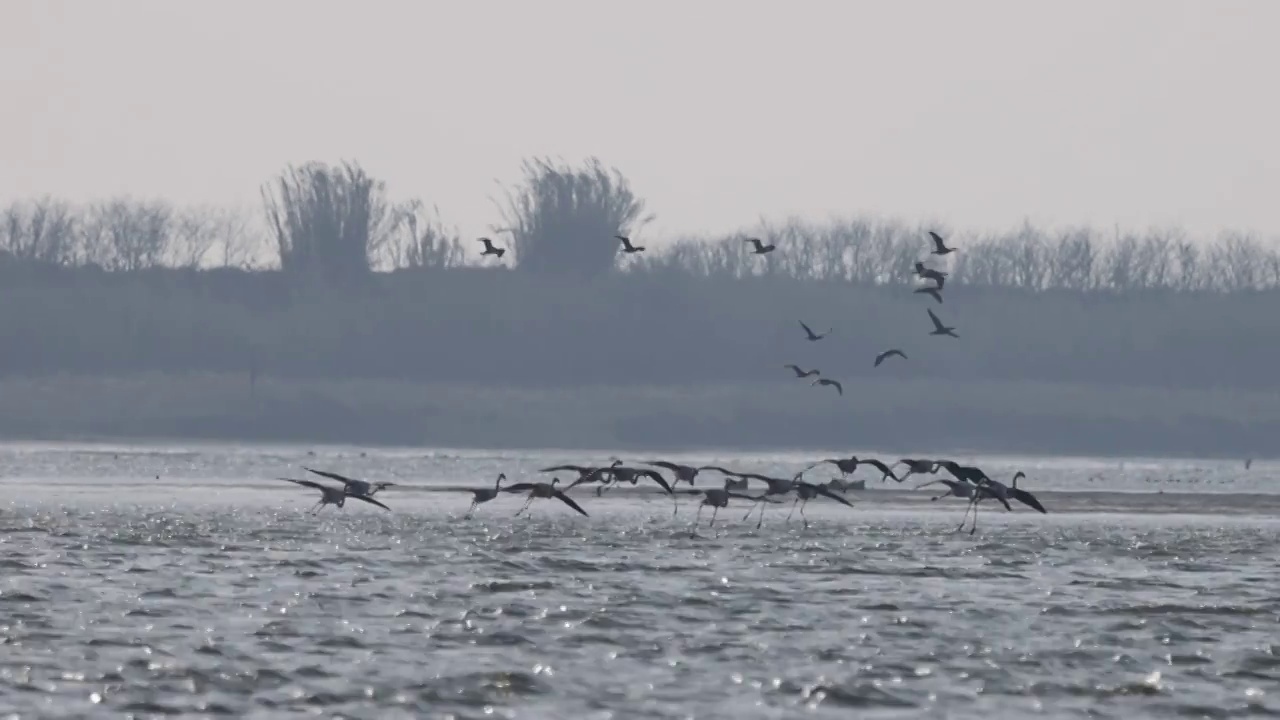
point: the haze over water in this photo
(211, 591)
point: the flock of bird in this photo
(967, 482)
(939, 279)
(758, 246)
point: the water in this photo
(211, 591)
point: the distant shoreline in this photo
(1070, 420)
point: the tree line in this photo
(338, 224)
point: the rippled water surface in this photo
(154, 581)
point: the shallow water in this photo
(212, 591)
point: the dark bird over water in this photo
(939, 328)
(760, 248)
(828, 381)
(354, 487)
(489, 249)
(930, 274)
(933, 291)
(627, 246)
(478, 495)
(888, 354)
(801, 373)
(682, 473)
(1024, 497)
(811, 336)
(939, 247)
(330, 495)
(543, 490)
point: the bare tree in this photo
(127, 235)
(419, 240)
(42, 230)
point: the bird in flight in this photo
(353, 486)
(760, 247)
(938, 327)
(801, 373)
(939, 247)
(543, 490)
(931, 274)
(489, 249)
(935, 292)
(811, 336)
(335, 496)
(627, 247)
(828, 381)
(478, 495)
(888, 354)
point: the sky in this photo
(977, 115)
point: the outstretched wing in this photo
(569, 501)
(937, 241)
(836, 384)
(937, 324)
(662, 464)
(307, 483)
(1027, 499)
(718, 469)
(519, 487)
(588, 477)
(368, 499)
(806, 328)
(332, 476)
(658, 479)
(827, 493)
(558, 468)
(879, 466)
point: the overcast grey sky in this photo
(977, 113)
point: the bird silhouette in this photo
(801, 373)
(929, 273)
(336, 496)
(811, 336)
(543, 490)
(627, 247)
(828, 381)
(760, 248)
(489, 249)
(938, 327)
(888, 354)
(939, 247)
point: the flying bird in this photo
(543, 490)
(489, 249)
(330, 495)
(934, 292)
(939, 247)
(478, 495)
(888, 354)
(1023, 496)
(801, 373)
(938, 327)
(808, 491)
(931, 274)
(683, 473)
(760, 248)
(354, 487)
(810, 335)
(885, 469)
(627, 246)
(717, 498)
(828, 381)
